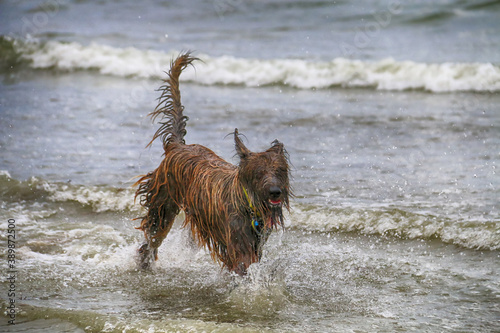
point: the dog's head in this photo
(265, 176)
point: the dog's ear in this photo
(241, 150)
(277, 147)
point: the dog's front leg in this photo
(146, 255)
(243, 247)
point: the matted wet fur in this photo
(230, 209)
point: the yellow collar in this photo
(255, 214)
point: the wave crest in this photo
(386, 74)
(397, 223)
(98, 198)
(393, 222)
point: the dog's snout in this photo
(274, 192)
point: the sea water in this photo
(389, 112)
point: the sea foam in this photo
(385, 74)
(397, 223)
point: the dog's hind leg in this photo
(156, 227)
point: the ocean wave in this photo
(97, 198)
(77, 320)
(386, 74)
(397, 223)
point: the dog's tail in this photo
(173, 122)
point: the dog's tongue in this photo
(275, 202)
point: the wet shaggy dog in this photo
(231, 209)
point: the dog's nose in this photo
(274, 192)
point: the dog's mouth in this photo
(275, 202)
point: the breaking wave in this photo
(97, 198)
(398, 223)
(386, 74)
(37, 198)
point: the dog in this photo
(230, 209)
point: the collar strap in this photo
(256, 220)
(248, 199)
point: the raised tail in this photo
(173, 122)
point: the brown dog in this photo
(231, 209)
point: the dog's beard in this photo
(275, 216)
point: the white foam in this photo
(398, 223)
(101, 199)
(105, 59)
(5, 174)
(386, 74)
